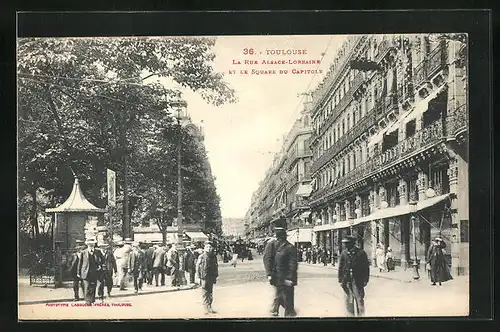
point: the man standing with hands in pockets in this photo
(208, 271)
(280, 262)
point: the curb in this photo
(371, 275)
(114, 296)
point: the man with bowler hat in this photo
(208, 271)
(354, 273)
(89, 269)
(280, 262)
(108, 267)
(190, 263)
(73, 269)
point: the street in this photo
(243, 292)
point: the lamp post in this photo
(415, 264)
(180, 109)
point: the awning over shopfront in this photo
(197, 236)
(305, 215)
(299, 235)
(304, 190)
(385, 213)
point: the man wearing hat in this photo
(208, 271)
(159, 264)
(280, 262)
(136, 266)
(353, 274)
(189, 263)
(89, 269)
(108, 267)
(73, 270)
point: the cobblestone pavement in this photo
(242, 292)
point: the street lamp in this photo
(180, 107)
(416, 274)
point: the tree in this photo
(84, 105)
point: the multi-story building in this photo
(233, 226)
(390, 146)
(286, 187)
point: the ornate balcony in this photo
(421, 141)
(437, 60)
(296, 154)
(382, 108)
(457, 122)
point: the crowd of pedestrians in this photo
(95, 269)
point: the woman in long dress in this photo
(439, 267)
(380, 253)
(389, 259)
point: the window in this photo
(440, 181)
(354, 117)
(410, 128)
(392, 194)
(354, 159)
(306, 121)
(464, 231)
(413, 189)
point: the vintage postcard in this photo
(243, 176)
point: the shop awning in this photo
(432, 201)
(304, 190)
(305, 215)
(197, 236)
(299, 235)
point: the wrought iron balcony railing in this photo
(382, 107)
(420, 141)
(457, 121)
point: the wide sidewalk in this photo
(28, 294)
(399, 274)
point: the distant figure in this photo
(280, 262)
(380, 253)
(389, 259)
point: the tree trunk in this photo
(34, 217)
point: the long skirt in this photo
(381, 262)
(234, 259)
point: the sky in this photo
(242, 138)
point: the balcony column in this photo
(347, 206)
(357, 204)
(337, 211)
(458, 176)
(423, 185)
(403, 192)
(330, 214)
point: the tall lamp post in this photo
(180, 110)
(415, 264)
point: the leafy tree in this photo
(84, 106)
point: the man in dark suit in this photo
(159, 264)
(149, 264)
(354, 273)
(190, 263)
(136, 265)
(108, 267)
(89, 269)
(208, 272)
(280, 262)
(73, 270)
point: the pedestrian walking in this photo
(234, 259)
(380, 256)
(190, 263)
(389, 260)
(280, 262)
(208, 272)
(159, 265)
(353, 275)
(149, 264)
(173, 263)
(73, 270)
(136, 265)
(439, 271)
(108, 267)
(89, 269)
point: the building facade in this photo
(286, 187)
(233, 226)
(390, 159)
